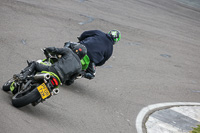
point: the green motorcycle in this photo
(37, 87)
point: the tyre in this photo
(6, 86)
(24, 98)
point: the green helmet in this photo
(115, 34)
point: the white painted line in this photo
(146, 111)
(194, 113)
(157, 126)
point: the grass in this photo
(196, 130)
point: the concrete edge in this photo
(146, 111)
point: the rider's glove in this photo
(45, 52)
(67, 45)
(70, 44)
(78, 39)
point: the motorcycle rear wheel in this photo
(24, 98)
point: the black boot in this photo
(18, 76)
(27, 71)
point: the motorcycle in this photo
(39, 86)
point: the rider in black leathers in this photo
(68, 67)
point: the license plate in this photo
(43, 90)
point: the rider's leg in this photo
(22, 76)
(30, 70)
(41, 67)
(27, 71)
(35, 66)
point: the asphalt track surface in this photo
(157, 60)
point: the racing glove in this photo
(70, 44)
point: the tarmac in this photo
(178, 117)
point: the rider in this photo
(68, 67)
(99, 48)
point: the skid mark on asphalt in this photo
(192, 3)
(90, 19)
(133, 43)
(197, 90)
(23, 42)
(165, 55)
(106, 66)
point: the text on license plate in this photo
(43, 90)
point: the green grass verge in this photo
(196, 130)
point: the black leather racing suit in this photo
(68, 67)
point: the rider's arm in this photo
(57, 51)
(70, 45)
(86, 34)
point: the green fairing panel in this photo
(12, 87)
(85, 62)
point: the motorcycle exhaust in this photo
(42, 76)
(55, 91)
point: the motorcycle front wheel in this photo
(6, 86)
(24, 98)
